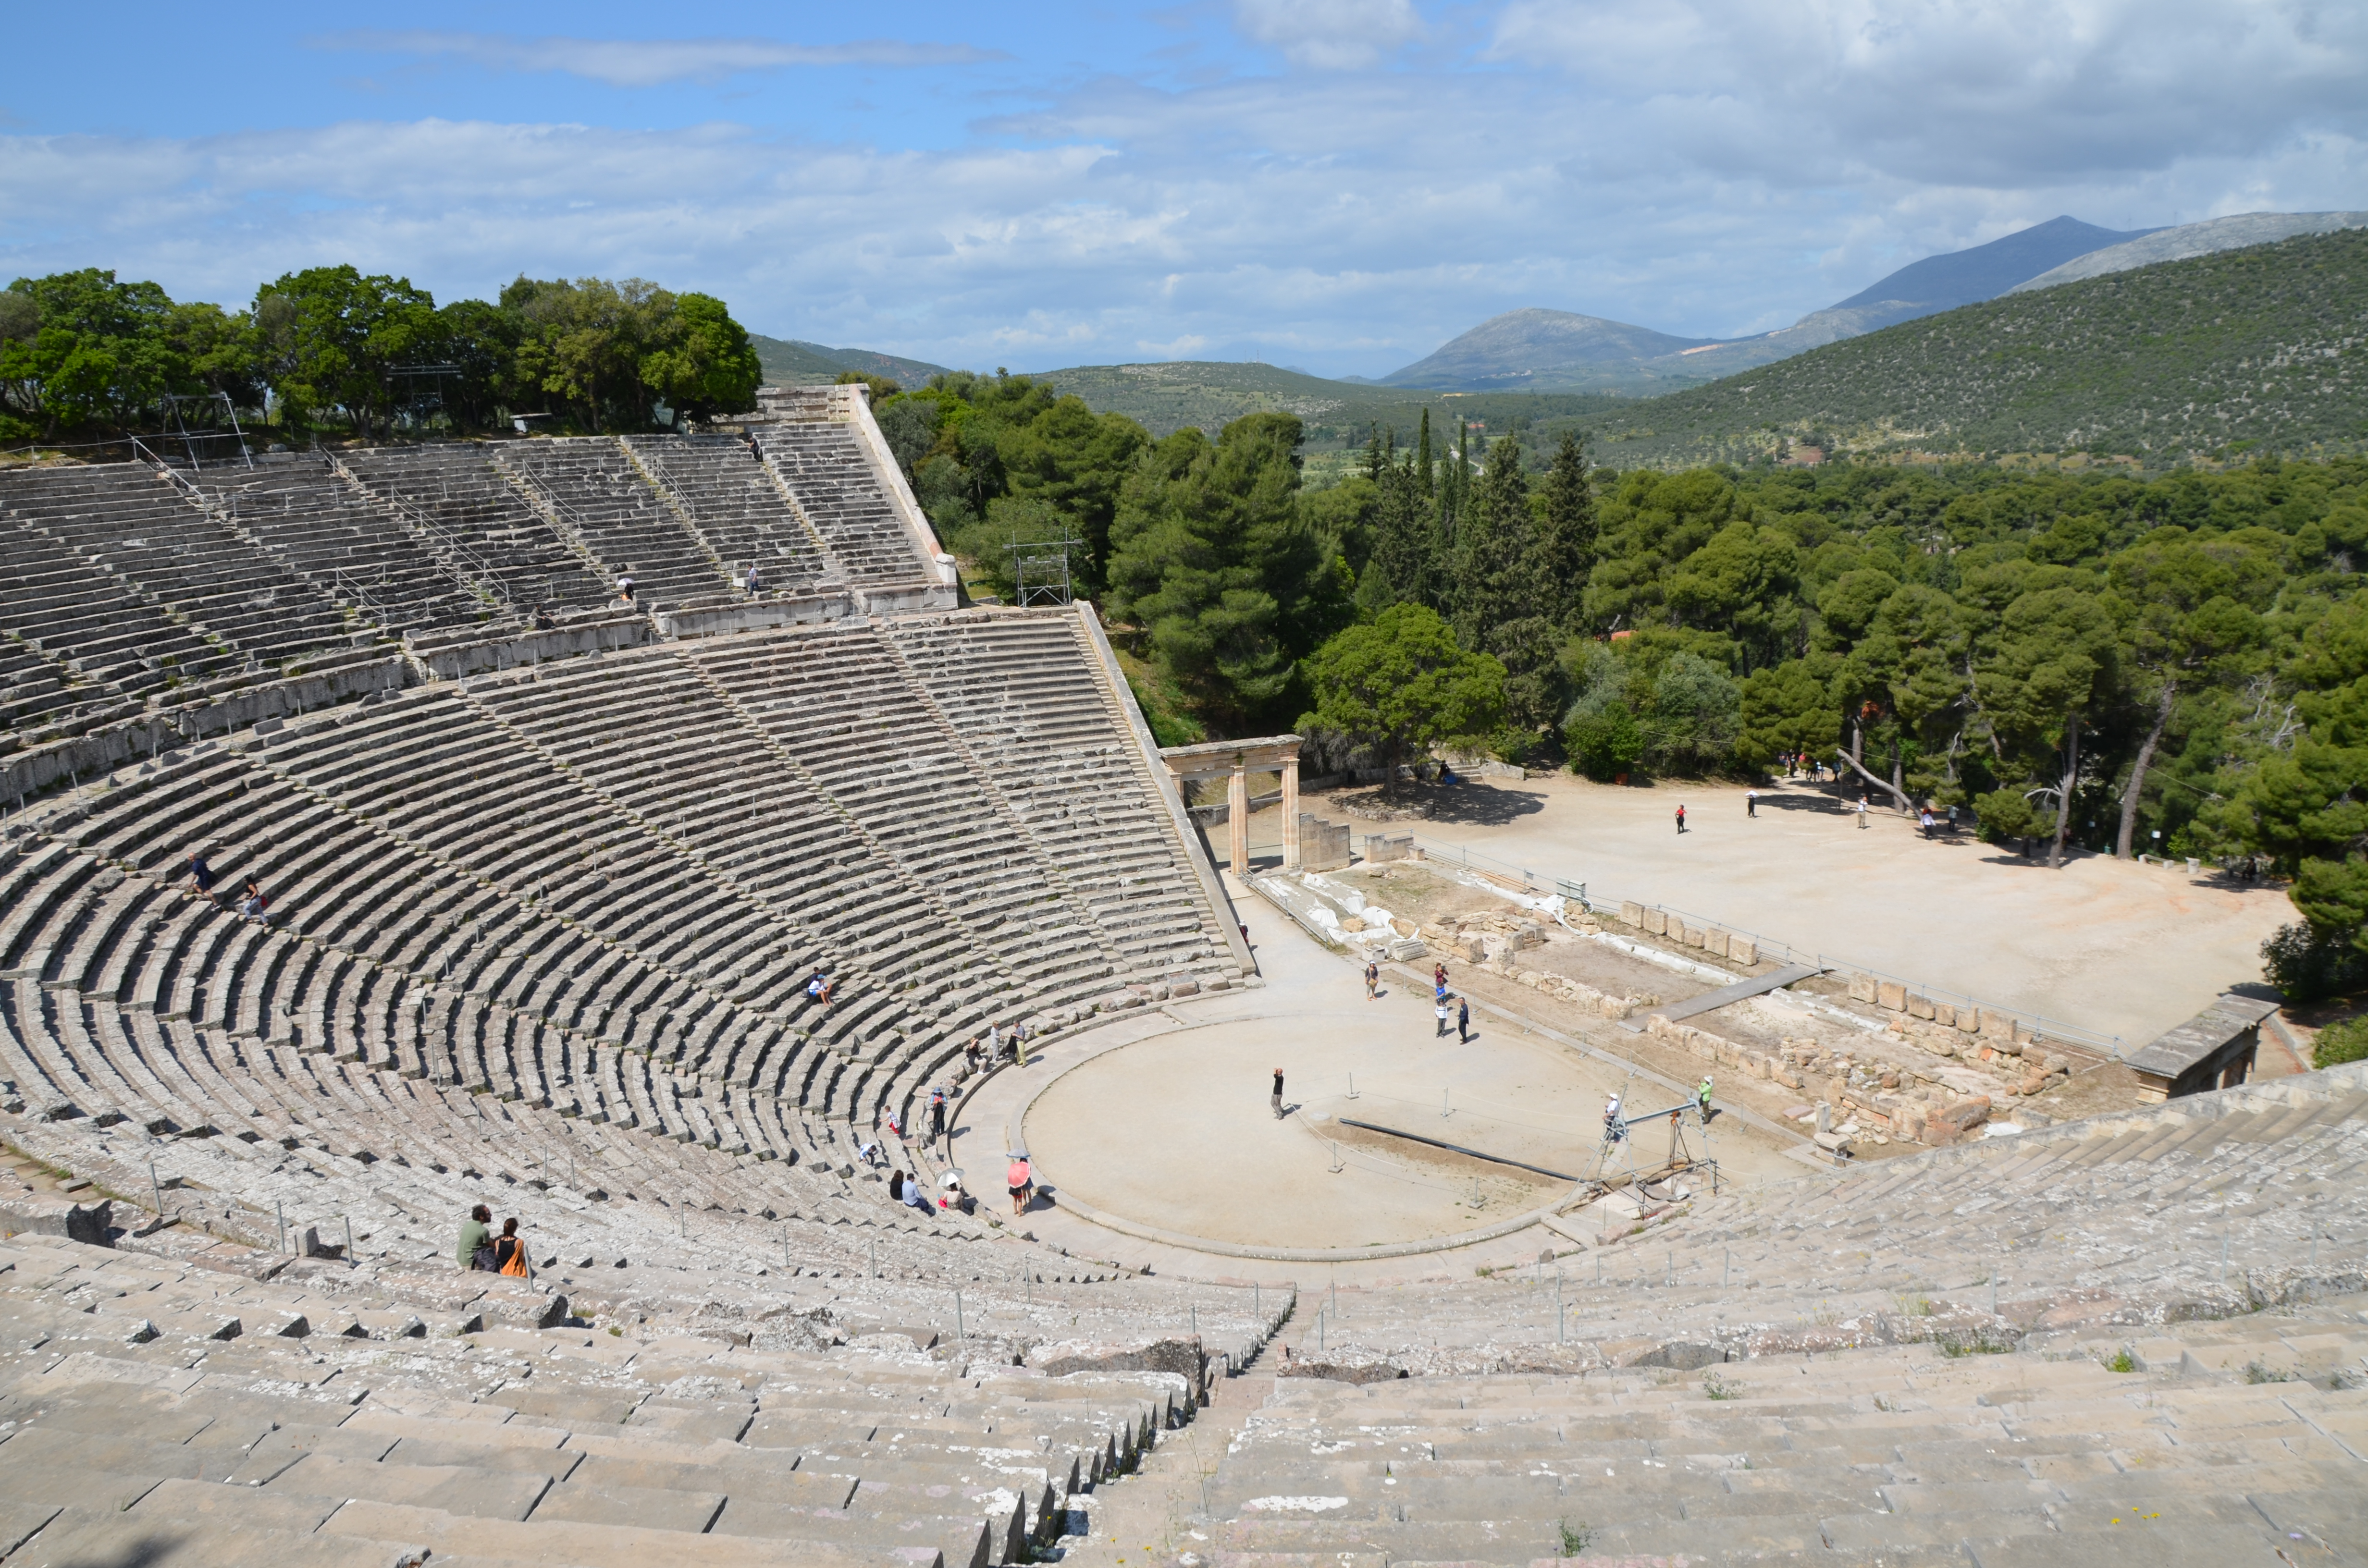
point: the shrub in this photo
(1604, 741)
(2338, 1044)
(2310, 965)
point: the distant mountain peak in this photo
(1540, 347)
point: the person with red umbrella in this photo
(1022, 1182)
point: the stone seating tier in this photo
(830, 477)
(594, 490)
(514, 1444)
(738, 506)
(460, 492)
(151, 537)
(358, 551)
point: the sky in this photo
(1335, 184)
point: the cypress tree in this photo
(1495, 540)
(1563, 551)
(1429, 477)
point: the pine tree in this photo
(1493, 543)
(1563, 551)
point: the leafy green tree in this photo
(1696, 718)
(326, 336)
(1493, 550)
(1741, 582)
(1789, 709)
(587, 342)
(2049, 668)
(482, 341)
(83, 348)
(1604, 741)
(2177, 603)
(701, 363)
(1399, 685)
(213, 351)
(1405, 567)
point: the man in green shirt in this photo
(474, 1236)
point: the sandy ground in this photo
(1176, 1129)
(2112, 947)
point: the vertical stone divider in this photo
(690, 657)
(1292, 852)
(683, 851)
(1086, 625)
(673, 503)
(984, 776)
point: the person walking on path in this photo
(1278, 1093)
(1751, 802)
(1439, 1011)
(751, 583)
(937, 1115)
(1862, 814)
(1681, 819)
(1022, 1182)
(1702, 1099)
(1372, 981)
(1464, 1021)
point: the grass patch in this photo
(1576, 1539)
(2123, 1361)
(1977, 1342)
(1719, 1387)
(2257, 1373)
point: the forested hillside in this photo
(2264, 350)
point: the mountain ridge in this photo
(1545, 348)
(2262, 349)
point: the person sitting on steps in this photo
(476, 1248)
(509, 1252)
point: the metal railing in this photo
(1541, 884)
(487, 580)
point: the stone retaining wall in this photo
(130, 741)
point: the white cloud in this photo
(1331, 35)
(1982, 91)
(1653, 170)
(646, 62)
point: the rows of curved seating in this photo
(602, 885)
(737, 507)
(823, 465)
(340, 538)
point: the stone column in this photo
(1291, 813)
(1237, 816)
